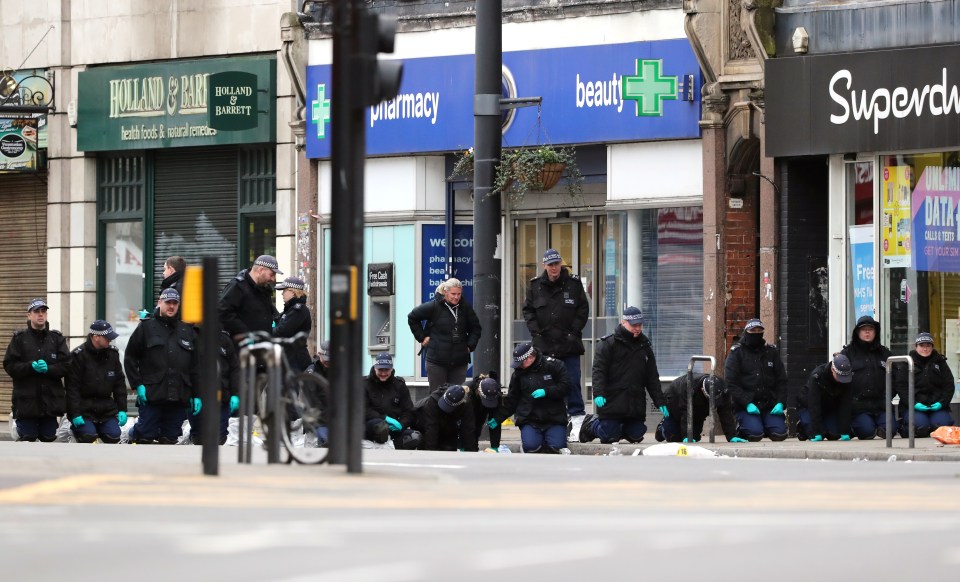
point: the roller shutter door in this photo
(23, 257)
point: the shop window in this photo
(123, 260)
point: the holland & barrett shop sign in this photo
(177, 104)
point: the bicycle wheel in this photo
(303, 404)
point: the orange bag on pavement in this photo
(948, 435)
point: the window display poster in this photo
(18, 144)
(935, 220)
(861, 262)
(895, 229)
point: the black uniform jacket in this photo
(162, 356)
(481, 413)
(932, 381)
(444, 431)
(547, 373)
(823, 395)
(294, 319)
(869, 385)
(451, 338)
(96, 386)
(229, 368)
(36, 394)
(676, 396)
(556, 313)
(390, 398)
(245, 307)
(755, 375)
(623, 368)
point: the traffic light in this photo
(380, 80)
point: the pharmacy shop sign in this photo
(177, 104)
(888, 100)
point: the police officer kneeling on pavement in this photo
(445, 419)
(37, 359)
(933, 389)
(96, 387)
(826, 402)
(161, 361)
(537, 399)
(624, 372)
(228, 368)
(389, 408)
(673, 427)
(486, 398)
(757, 382)
(868, 357)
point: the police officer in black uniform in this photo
(556, 310)
(486, 398)
(294, 319)
(161, 361)
(673, 427)
(825, 402)
(228, 366)
(97, 388)
(757, 382)
(321, 364)
(246, 303)
(37, 359)
(389, 408)
(445, 419)
(933, 385)
(868, 357)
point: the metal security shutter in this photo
(195, 208)
(23, 257)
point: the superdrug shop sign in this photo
(862, 102)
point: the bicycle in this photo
(286, 401)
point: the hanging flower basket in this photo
(537, 170)
(550, 175)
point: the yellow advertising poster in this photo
(895, 229)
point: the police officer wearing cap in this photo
(321, 364)
(96, 387)
(673, 427)
(445, 419)
(933, 386)
(389, 408)
(161, 361)
(826, 402)
(868, 358)
(556, 311)
(624, 372)
(294, 319)
(37, 360)
(486, 398)
(536, 399)
(757, 382)
(246, 304)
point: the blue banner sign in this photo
(594, 94)
(433, 267)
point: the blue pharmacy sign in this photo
(433, 267)
(593, 94)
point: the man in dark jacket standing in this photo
(37, 359)
(673, 427)
(624, 372)
(451, 333)
(556, 310)
(246, 303)
(933, 389)
(826, 402)
(868, 357)
(161, 361)
(389, 408)
(538, 387)
(445, 419)
(757, 382)
(96, 387)
(173, 269)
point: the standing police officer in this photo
(868, 357)
(161, 361)
(228, 366)
(96, 387)
(757, 382)
(294, 319)
(246, 303)
(37, 359)
(556, 310)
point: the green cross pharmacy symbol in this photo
(649, 88)
(321, 111)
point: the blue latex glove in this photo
(122, 418)
(144, 314)
(777, 409)
(816, 438)
(599, 401)
(492, 423)
(844, 437)
(664, 411)
(394, 423)
(141, 395)
(196, 404)
(935, 406)
(738, 440)
(752, 409)
(921, 407)
(274, 325)
(538, 393)
(78, 421)
(40, 367)
(687, 440)
(234, 404)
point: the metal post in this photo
(713, 363)
(209, 376)
(275, 375)
(486, 206)
(248, 378)
(911, 398)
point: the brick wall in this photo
(740, 242)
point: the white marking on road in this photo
(414, 465)
(546, 554)
(395, 572)
(262, 537)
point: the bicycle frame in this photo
(271, 354)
